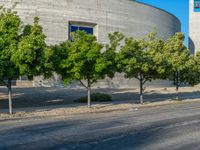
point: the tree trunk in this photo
(89, 94)
(10, 96)
(141, 92)
(177, 85)
(177, 91)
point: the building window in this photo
(89, 28)
(196, 5)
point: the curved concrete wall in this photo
(126, 16)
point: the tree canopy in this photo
(24, 52)
(80, 59)
(142, 59)
(30, 55)
(9, 38)
(10, 26)
(178, 59)
(22, 49)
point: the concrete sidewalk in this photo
(82, 109)
(37, 97)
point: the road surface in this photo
(174, 127)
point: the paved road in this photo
(174, 127)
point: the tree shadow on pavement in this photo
(41, 97)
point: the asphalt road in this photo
(174, 127)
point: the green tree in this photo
(59, 53)
(30, 55)
(192, 74)
(10, 26)
(193, 70)
(179, 62)
(142, 59)
(194, 66)
(116, 40)
(80, 59)
(48, 66)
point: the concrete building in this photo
(99, 17)
(194, 26)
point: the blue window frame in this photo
(196, 5)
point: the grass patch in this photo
(95, 97)
(177, 99)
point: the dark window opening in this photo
(196, 5)
(88, 30)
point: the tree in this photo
(80, 59)
(179, 62)
(193, 70)
(30, 55)
(54, 58)
(9, 37)
(192, 74)
(116, 40)
(142, 59)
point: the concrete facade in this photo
(194, 29)
(105, 16)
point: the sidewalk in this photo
(37, 97)
(79, 109)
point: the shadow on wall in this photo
(191, 46)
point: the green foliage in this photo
(48, 66)
(9, 37)
(193, 65)
(30, 55)
(81, 58)
(96, 97)
(10, 26)
(110, 54)
(176, 53)
(58, 54)
(142, 59)
(179, 61)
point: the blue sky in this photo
(179, 8)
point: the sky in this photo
(179, 8)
